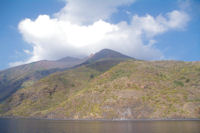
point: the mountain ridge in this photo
(106, 54)
(13, 79)
(112, 88)
(105, 59)
(17, 77)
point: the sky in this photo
(33, 30)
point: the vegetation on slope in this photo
(129, 90)
(21, 76)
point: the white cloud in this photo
(13, 64)
(54, 38)
(176, 19)
(88, 11)
(27, 51)
(152, 26)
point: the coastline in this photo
(117, 120)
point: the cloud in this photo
(13, 64)
(27, 51)
(62, 35)
(89, 11)
(151, 26)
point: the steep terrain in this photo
(126, 89)
(107, 54)
(14, 78)
(104, 60)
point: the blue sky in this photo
(20, 45)
(11, 13)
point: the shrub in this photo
(178, 83)
(187, 80)
(91, 76)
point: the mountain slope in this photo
(107, 54)
(20, 76)
(129, 90)
(25, 75)
(105, 59)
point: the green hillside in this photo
(18, 77)
(127, 90)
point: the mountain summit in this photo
(108, 54)
(105, 59)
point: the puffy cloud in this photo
(152, 26)
(54, 38)
(88, 11)
(176, 19)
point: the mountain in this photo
(130, 89)
(107, 54)
(68, 59)
(14, 78)
(21, 76)
(105, 59)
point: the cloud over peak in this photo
(80, 28)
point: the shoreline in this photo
(117, 120)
